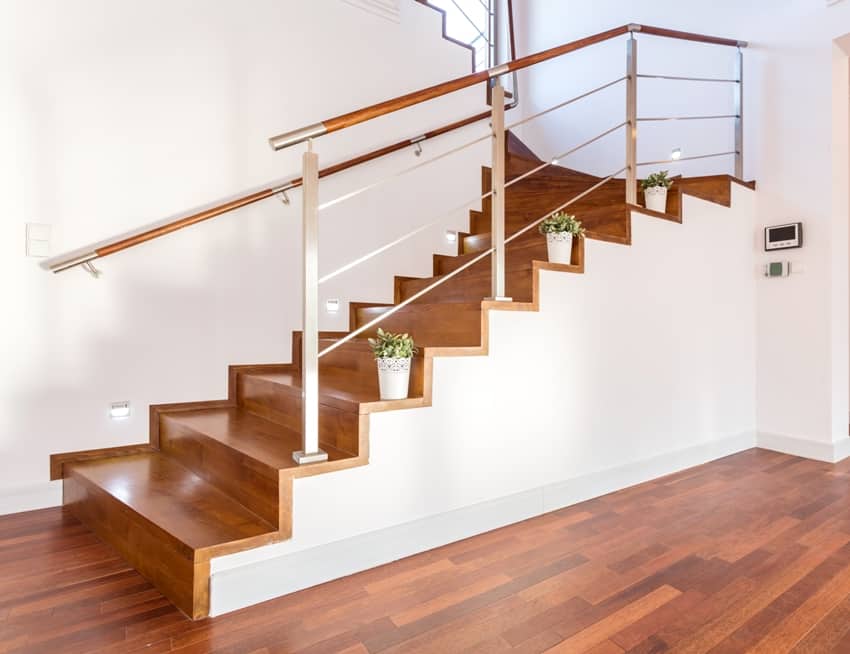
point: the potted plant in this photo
(393, 353)
(655, 191)
(559, 229)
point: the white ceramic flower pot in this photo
(656, 199)
(393, 378)
(559, 246)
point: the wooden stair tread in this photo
(338, 387)
(264, 441)
(193, 512)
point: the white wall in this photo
(119, 114)
(792, 142)
(627, 372)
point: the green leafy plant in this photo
(657, 179)
(392, 346)
(561, 222)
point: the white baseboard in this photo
(29, 498)
(242, 586)
(579, 489)
(808, 449)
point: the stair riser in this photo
(517, 255)
(145, 546)
(252, 483)
(351, 356)
(446, 325)
(266, 399)
(476, 243)
(473, 284)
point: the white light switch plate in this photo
(38, 240)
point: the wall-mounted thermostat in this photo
(777, 269)
(783, 237)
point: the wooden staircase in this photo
(216, 477)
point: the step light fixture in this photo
(676, 154)
(332, 306)
(119, 410)
(451, 236)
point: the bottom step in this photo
(164, 519)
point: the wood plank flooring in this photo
(750, 553)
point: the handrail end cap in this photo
(288, 139)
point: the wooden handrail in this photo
(257, 196)
(689, 36)
(343, 121)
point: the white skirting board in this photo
(808, 449)
(256, 582)
(29, 498)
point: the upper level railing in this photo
(311, 174)
(475, 24)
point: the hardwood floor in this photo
(750, 553)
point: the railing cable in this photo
(701, 156)
(401, 173)
(565, 103)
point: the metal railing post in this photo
(497, 200)
(631, 119)
(739, 112)
(310, 452)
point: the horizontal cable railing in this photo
(692, 158)
(565, 103)
(690, 79)
(671, 118)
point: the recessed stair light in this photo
(451, 236)
(119, 410)
(676, 154)
(332, 306)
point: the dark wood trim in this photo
(57, 461)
